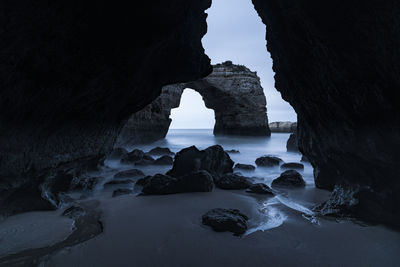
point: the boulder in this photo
(74, 212)
(213, 160)
(247, 167)
(117, 153)
(129, 174)
(233, 181)
(161, 151)
(146, 160)
(289, 178)
(226, 220)
(86, 183)
(133, 156)
(292, 166)
(292, 143)
(260, 188)
(268, 161)
(159, 184)
(233, 151)
(164, 160)
(119, 182)
(122, 191)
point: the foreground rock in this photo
(213, 160)
(86, 183)
(247, 167)
(129, 174)
(159, 184)
(292, 143)
(161, 151)
(260, 188)
(164, 160)
(226, 220)
(119, 182)
(233, 181)
(268, 161)
(146, 160)
(118, 153)
(290, 178)
(292, 166)
(133, 156)
(120, 192)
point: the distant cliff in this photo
(283, 126)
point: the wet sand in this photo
(167, 231)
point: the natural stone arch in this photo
(232, 91)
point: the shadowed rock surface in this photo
(160, 151)
(245, 167)
(268, 161)
(233, 181)
(117, 153)
(337, 65)
(159, 184)
(232, 91)
(260, 188)
(128, 174)
(213, 160)
(292, 143)
(226, 220)
(120, 192)
(164, 160)
(292, 165)
(289, 178)
(72, 74)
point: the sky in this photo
(235, 32)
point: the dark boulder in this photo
(293, 166)
(146, 160)
(143, 181)
(164, 160)
(247, 167)
(122, 191)
(159, 184)
(129, 174)
(292, 143)
(161, 151)
(86, 183)
(233, 181)
(133, 156)
(289, 178)
(260, 188)
(213, 159)
(226, 220)
(117, 153)
(268, 161)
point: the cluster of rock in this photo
(232, 91)
(282, 126)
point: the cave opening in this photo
(192, 112)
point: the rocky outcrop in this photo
(72, 74)
(232, 91)
(337, 65)
(223, 220)
(268, 161)
(283, 126)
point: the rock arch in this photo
(232, 91)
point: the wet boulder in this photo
(159, 184)
(122, 191)
(233, 181)
(289, 178)
(268, 161)
(164, 160)
(146, 160)
(213, 160)
(133, 156)
(292, 166)
(226, 220)
(161, 151)
(247, 167)
(260, 188)
(132, 173)
(117, 153)
(292, 143)
(119, 182)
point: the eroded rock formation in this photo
(283, 126)
(232, 91)
(73, 72)
(338, 65)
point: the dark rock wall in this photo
(337, 64)
(232, 91)
(72, 72)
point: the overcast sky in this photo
(235, 32)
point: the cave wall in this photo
(71, 73)
(337, 64)
(232, 91)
